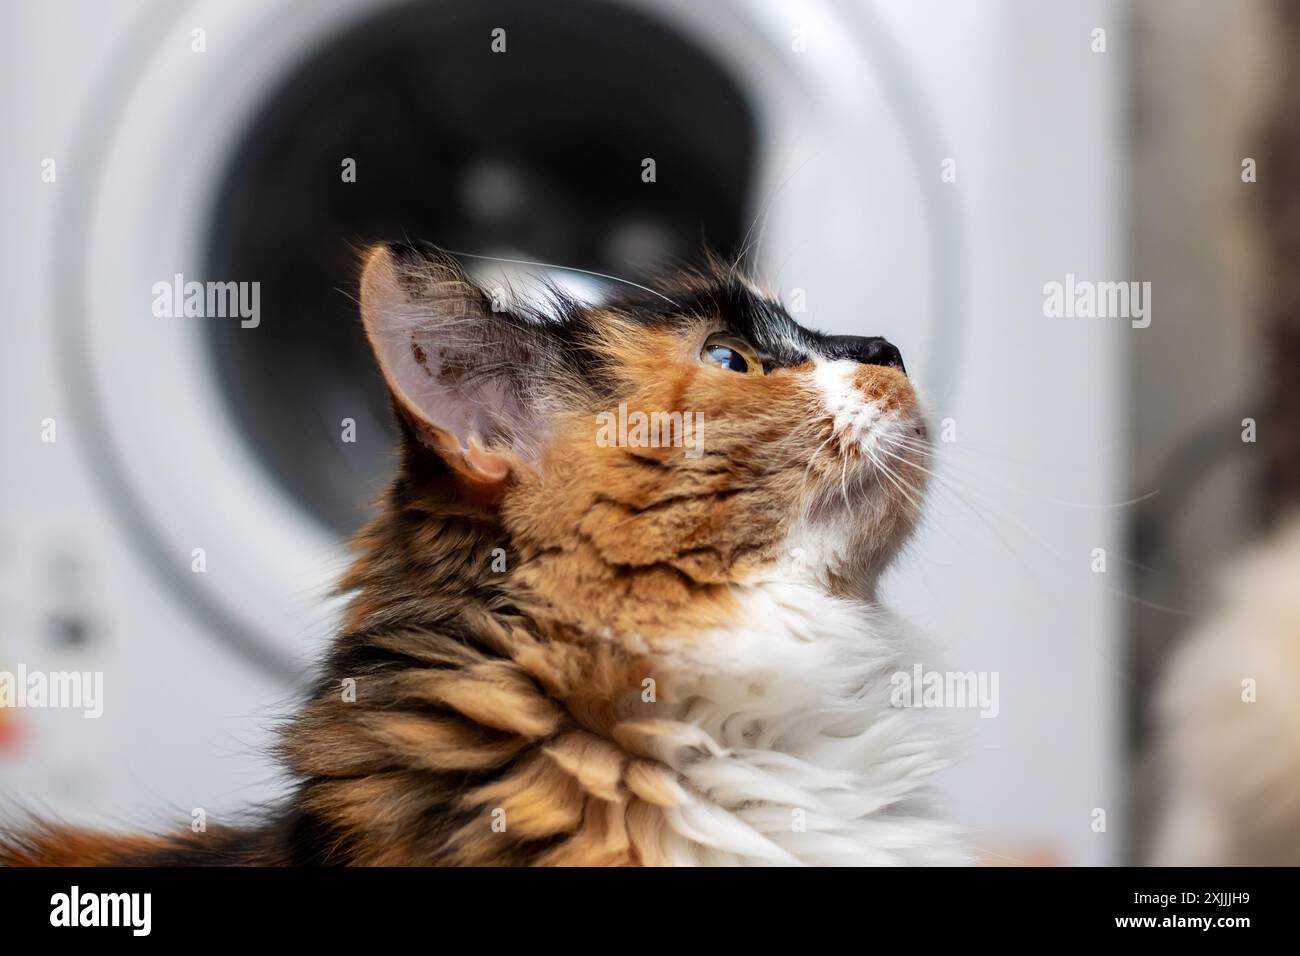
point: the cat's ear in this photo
(456, 368)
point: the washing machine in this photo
(178, 491)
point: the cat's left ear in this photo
(456, 368)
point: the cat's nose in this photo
(867, 349)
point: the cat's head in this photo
(645, 459)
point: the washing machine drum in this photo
(506, 129)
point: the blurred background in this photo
(918, 171)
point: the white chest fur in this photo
(791, 747)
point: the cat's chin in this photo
(837, 552)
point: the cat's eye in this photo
(730, 353)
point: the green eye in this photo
(731, 354)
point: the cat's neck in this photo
(451, 708)
(425, 557)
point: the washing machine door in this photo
(263, 144)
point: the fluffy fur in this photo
(1231, 750)
(561, 651)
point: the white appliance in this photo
(147, 110)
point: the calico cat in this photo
(576, 644)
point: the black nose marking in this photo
(869, 350)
